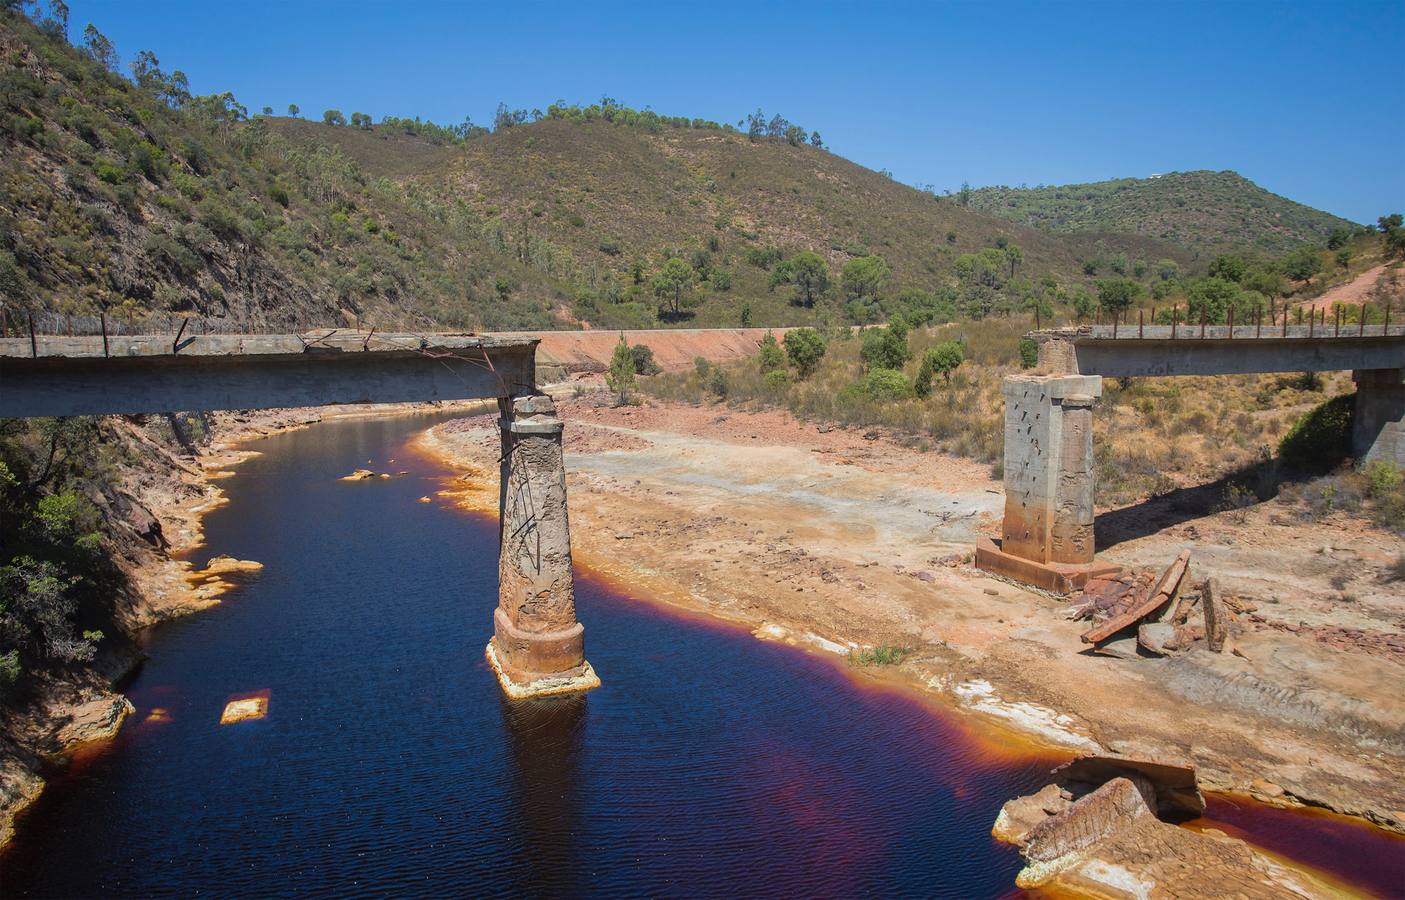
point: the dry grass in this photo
(1151, 435)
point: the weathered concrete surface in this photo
(1049, 467)
(1094, 351)
(1378, 429)
(62, 376)
(1108, 843)
(536, 636)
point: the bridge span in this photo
(538, 645)
(1047, 531)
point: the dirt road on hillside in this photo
(833, 540)
(1353, 293)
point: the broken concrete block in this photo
(1177, 793)
(1216, 616)
(1156, 636)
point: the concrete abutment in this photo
(538, 646)
(1378, 430)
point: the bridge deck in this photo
(49, 376)
(1132, 350)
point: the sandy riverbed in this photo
(834, 539)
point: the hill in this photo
(601, 204)
(1203, 212)
(133, 198)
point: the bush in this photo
(944, 358)
(885, 348)
(644, 363)
(879, 386)
(772, 357)
(777, 379)
(717, 383)
(1321, 439)
(1029, 353)
(805, 348)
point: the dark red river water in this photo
(709, 763)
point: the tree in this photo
(805, 348)
(333, 117)
(620, 377)
(1385, 223)
(267, 111)
(293, 110)
(1210, 298)
(756, 125)
(146, 70)
(1302, 264)
(1116, 295)
(1083, 305)
(810, 275)
(360, 120)
(671, 282)
(1229, 266)
(864, 277)
(1014, 255)
(772, 356)
(886, 348)
(99, 48)
(942, 359)
(815, 140)
(746, 315)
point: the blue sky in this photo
(1307, 98)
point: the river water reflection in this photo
(708, 762)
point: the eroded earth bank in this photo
(844, 539)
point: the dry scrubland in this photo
(1210, 442)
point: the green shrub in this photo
(886, 655)
(777, 379)
(885, 348)
(110, 172)
(1321, 439)
(644, 363)
(942, 359)
(772, 357)
(879, 386)
(1383, 477)
(1029, 353)
(718, 384)
(805, 348)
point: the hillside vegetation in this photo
(132, 198)
(1203, 212)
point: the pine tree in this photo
(620, 378)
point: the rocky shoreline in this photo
(68, 713)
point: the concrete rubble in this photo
(1098, 830)
(1139, 613)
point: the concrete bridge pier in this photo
(1047, 534)
(1378, 431)
(538, 647)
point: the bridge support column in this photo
(1378, 431)
(1047, 534)
(538, 647)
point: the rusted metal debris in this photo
(1160, 597)
(1138, 611)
